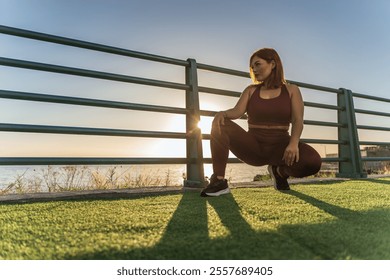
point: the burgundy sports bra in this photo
(275, 111)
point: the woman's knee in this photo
(303, 169)
(228, 127)
(313, 166)
(311, 163)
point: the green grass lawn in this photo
(333, 220)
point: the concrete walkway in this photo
(88, 194)
(136, 192)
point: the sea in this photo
(40, 178)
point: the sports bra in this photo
(274, 111)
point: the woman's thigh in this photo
(244, 145)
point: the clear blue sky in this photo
(335, 43)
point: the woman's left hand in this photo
(291, 154)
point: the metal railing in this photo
(349, 156)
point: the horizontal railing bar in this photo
(246, 75)
(236, 160)
(88, 161)
(207, 136)
(321, 123)
(88, 131)
(111, 104)
(208, 113)
(315, 87)
(360, 111)
(222, 70)
(88, 45)
(4, 161)
(323, 141)
(308, 122)
(334, 159)
(323, 106)
(88, 73)
(238, 94)
(219, 91)
(370, 97)
(230, 160)
(374, 143)
(375, 158)
(368, 127)
(88, 102)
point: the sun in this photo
(177, 123)
(205, 124)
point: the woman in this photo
(271, 105)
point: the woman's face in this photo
(261, 68)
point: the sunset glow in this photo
(205, 124)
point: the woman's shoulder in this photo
(292, 89)
(250, 89)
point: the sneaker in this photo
(216, 187)
(280, 183)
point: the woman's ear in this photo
(273, 64)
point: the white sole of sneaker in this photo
(221, 192)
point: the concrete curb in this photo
(90, 194)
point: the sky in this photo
(333, 43)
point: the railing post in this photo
(353, 168)
(195, 171)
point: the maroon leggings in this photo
(260, 147)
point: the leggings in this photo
(259, 147)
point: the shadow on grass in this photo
(336, 211)
(373, 180)
(353, 235)
(356, 235)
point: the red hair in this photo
(276, 78)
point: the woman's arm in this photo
(236, 112)
(291, 153)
